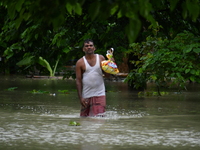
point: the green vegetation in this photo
(159, 38)
(43, 92)
(64, 91)
(11, 88)
(166, 62)
(38, 92)
(151, 93)
(74, 123)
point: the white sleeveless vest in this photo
(93, 82)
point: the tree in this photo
(35, 29)
(165, 61)
(43, 44)
(53, 12)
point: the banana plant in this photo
(46, 64)
(28, 61)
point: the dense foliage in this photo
(47, 35)
(166, 62)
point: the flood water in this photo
(32, 121)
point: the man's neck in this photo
(90, 56)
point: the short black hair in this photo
(87, 41)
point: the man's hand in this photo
(84, 102)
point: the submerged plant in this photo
(74, 123)
(151, 93)
(38, 92)
(11, 88)
(64, 91)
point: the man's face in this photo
(89, 48)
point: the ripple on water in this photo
(117, 128)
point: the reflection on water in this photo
(41, 121)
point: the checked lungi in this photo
(95, 106)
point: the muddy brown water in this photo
(41, 121)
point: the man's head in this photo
(87, 41)
(88, 46)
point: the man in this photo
(90, 82)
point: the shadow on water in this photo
(41, 121)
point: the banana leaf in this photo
(44, 63)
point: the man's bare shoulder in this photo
(80, 61)
(102, 58)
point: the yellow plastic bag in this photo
(108, 65)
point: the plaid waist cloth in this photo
(96, 106)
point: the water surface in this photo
(41, 121)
